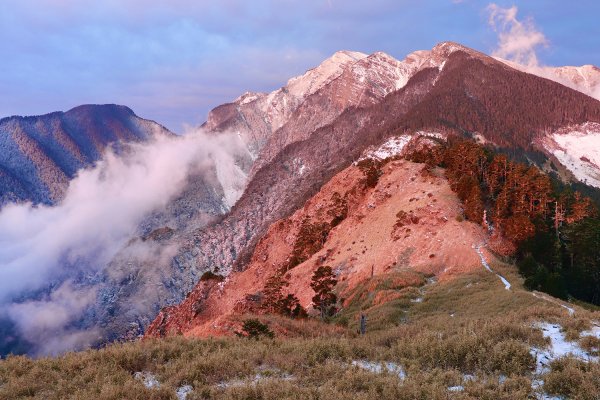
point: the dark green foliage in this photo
(254, 329)
(275, 302)
(290, 306)
(273, 293)
(323, 281)
(582, 264)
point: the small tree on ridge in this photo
(323, 281)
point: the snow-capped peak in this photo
(316, 78)
(585, 79)
(447, 48)
(249, 97)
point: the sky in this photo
(172, 61)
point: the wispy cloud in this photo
(518, 44)
(518, 40)
(53, 258)
(174, 60)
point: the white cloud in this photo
(518, 43)
(46, 252)
(517, 40)
(44, 322)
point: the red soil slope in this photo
(428, 236)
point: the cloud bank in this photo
(48, 254)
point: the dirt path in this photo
(477, 248)
(537, 295)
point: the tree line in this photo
(555, 229)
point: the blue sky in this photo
(172, 61)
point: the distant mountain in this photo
(449, 91)
(299, 138)
(585, 78)
(39, 155)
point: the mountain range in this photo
(303, 148)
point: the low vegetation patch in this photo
(465, 339)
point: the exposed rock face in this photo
(255, 116)
(39, 155)
(347, 80)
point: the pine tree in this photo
(273, 293)
(323, 281)
(290, 306)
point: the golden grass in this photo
(470, 326)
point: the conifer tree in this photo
(323, 281)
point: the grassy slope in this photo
(470, 325)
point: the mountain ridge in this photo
(440, 78)
(367, 102)
(41, 154)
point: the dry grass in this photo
(469, 332)
(574, 379)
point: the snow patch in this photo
(506, 283)
(570, 310)
(578, 149)
(480, 139)
(148, 379)
(380, 367)
(183, 392)
(560, 347)
(434, 135)
(248, 97)
(273, 375)
(299, 166)
(314, 79)
(392, 147)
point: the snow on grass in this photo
(435, 135)
(272, 375)
(183, 392)
(395, 145)
(506, 283)
(148, 379)
(570, 310)
(594, 332)
(560, 347)
(380, 367)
